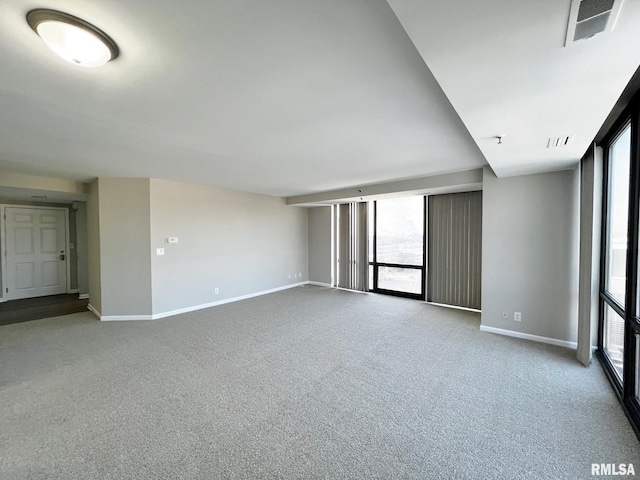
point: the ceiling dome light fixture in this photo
(72, 38)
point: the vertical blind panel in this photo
(455, 249)
(353, 263)
(363, 246)
(344, 232)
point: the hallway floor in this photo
(16, 311)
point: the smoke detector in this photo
(590, 17)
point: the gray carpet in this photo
(304, 383)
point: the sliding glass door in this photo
(397, 246)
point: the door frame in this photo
(3, 242)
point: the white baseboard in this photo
(83, 296)
(528, 336)
(157, 316)
(320, 284)
(352, 291)
(455, 307)
(94, 311)
(124, 318)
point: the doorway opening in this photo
(44, 260)
(36, 241)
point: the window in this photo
(637, 361)
(397, 241)
(397, 238)
(613, 341)
(619, 330)
(400, 279)
(618, 215)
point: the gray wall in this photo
(590, 231)
(237, 242)
(320, 245)
(93, 246)
(82, 248)
(72, 254)
(530, 253)
(125, 260)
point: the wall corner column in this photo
(590, 229)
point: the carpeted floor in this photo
(305, 383)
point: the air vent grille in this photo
(590, 17)
(591, 27)
(591, 8)
(560, 141)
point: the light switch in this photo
(159, 251)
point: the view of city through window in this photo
(618, 216)
(399, 231)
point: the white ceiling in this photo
(289, 98)
(504, 67)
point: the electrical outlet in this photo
(505, 314)
(289, 276)
(217, 291)
(300, 275)
(517, 316)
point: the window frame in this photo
(423, 268)
(625, 388)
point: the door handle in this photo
(62, 256)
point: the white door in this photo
(36, 252)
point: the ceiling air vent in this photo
(560, 141)
(590, 17)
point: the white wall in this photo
(320, 245)
(237, 242)
(530, 253)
